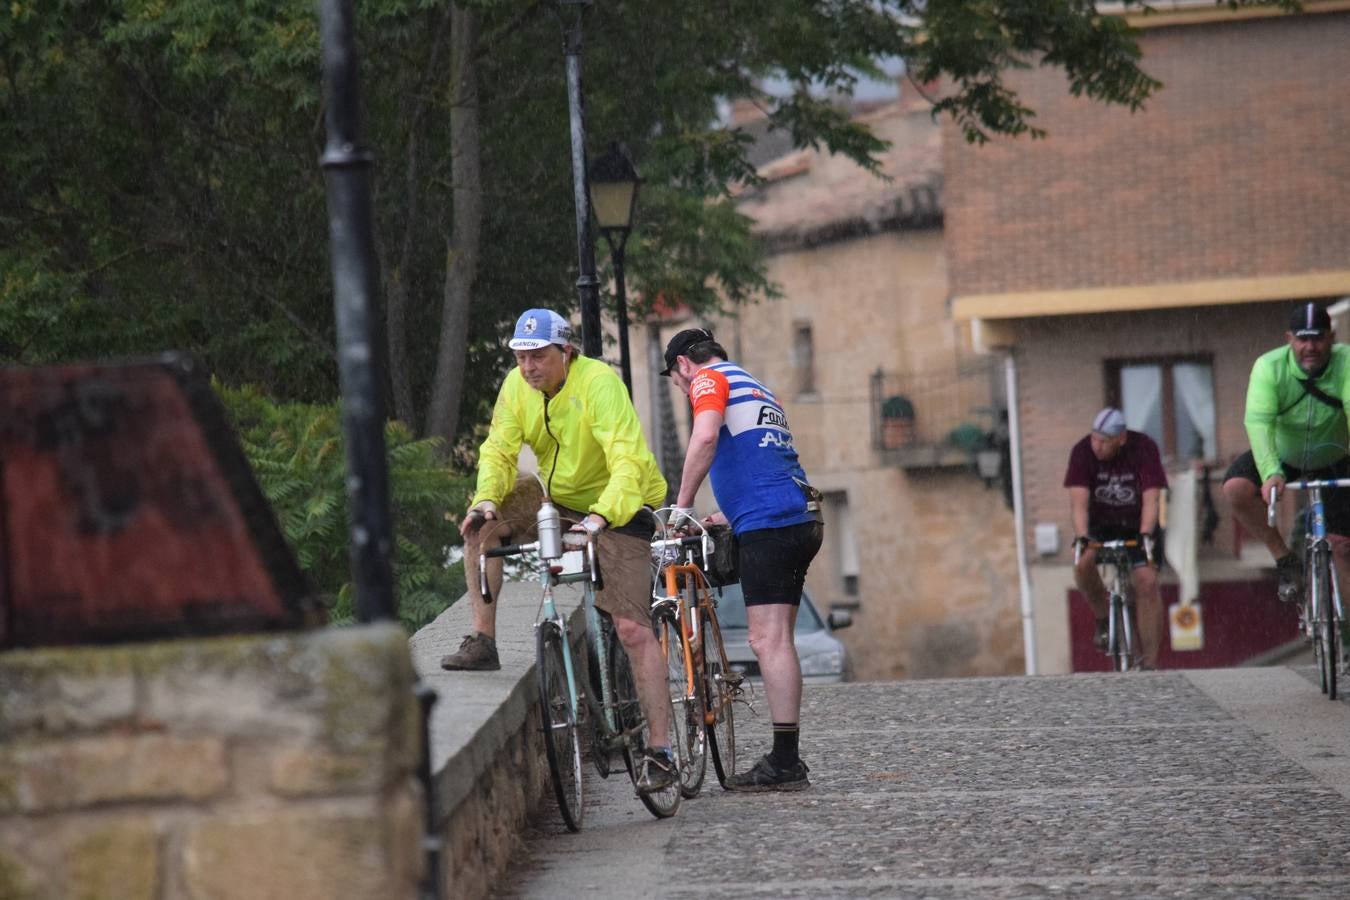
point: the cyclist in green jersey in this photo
(1296, 423)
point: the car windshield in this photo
(731, 611)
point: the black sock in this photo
(785, 735)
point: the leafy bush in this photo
(296, 453)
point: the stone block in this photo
(119, 861)
(333, 686)
(17, 882)
(65, 690)
(297, 853)
(72, 774)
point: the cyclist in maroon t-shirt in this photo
(1115, 478)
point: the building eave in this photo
(1208, 12)
(1173, 295)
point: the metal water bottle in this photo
(550, 531)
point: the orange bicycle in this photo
(711, 689)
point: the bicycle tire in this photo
(1324, 617)
(627, 709)
(1115, 627)
(663, 803)
(721, 689)
(597, 745)
(559, 724)
(688, 730)
(1129, 648)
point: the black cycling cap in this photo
(1309, 320)
(679, 345)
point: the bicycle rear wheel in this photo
(663, 803)
(561, 745)
(688, 732)
(721, 687)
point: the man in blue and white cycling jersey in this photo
(742, 442)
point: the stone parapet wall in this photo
(487, 752)
(272, 766)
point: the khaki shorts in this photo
(625, 559)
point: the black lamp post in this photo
(570, 14)
(614, 189)
(346, 169)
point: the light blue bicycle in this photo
(1320, 611)
(603, 704)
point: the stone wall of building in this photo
(937, 588)
(253, 767)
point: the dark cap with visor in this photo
(681, 343)
(1309, 320)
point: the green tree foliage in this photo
(296, 452)
(159, 185)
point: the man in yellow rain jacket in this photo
(577, 417)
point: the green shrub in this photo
(296, 453)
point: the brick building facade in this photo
(1143, 259)
(918, 547)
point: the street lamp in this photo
(614, 189)
(570, 14)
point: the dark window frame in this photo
(1168, 445)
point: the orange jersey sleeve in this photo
(709, 391)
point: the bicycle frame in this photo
(689, 574)
(551, 574)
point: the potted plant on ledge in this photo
(897, 422)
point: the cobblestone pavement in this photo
(1221, 783)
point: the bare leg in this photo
(1089, 582)
(1244, 498)
(649, 673)
(493, 533)
(771, 627)
(1148, 612)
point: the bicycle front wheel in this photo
(1324, 620)
(688, 734)
(561, 745)
(721, 688)
(1118, 645)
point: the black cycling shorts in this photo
(1335, 503)
(774, 562)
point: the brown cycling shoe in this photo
(477, 652)
(658, 770)
(767, 775)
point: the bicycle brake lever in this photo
(482, 580)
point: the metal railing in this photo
(947, 415)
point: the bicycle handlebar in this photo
(516, 549)
(1118, 544)
(692, 540)
(1301, 484)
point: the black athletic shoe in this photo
(1289, 569)
(767, 775)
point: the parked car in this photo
(823, 656)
